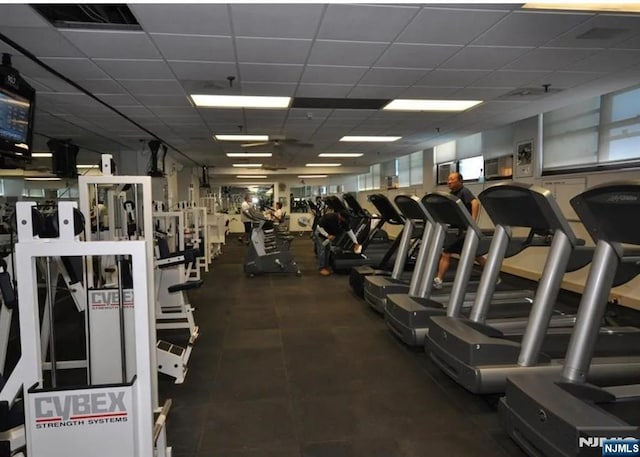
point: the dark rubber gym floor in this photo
(289, 366)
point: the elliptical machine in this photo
(268, 252)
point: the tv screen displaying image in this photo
(14, 117)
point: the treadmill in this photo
(399, 254)
(479, 354)
(373, 248)
(416, 218)
(568, 413)
(408, 315)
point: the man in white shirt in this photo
(244, 217)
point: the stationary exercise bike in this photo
(268, 251)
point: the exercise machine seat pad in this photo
(186, 286)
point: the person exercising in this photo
(329, 227)
(456, 187)
(244, 216)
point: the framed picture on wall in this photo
(524, 159)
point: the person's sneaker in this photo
(437, 283)
(325, 271)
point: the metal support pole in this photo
(51, 292)
(435, 250)
(403, 249)
(123, 341)
(418, 270)
(463, 273)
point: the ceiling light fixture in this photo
(371, 139)
(41, 155)
(312, 176)
(249, 154)
(618, 7)
(241, 137)
(430, 105)
(251, 176)
(87, 166)
(341, 154)
(247, 165)
(240, 101)
(41, 179)
(323, 165)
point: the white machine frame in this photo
(133, 401)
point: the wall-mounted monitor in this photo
(471, 168)
(17, 108)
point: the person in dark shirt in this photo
(329, 227)
(456, 187)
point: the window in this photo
(570, 135)
(598, 132)
(370, 180)
(620, 130)
(410, 169)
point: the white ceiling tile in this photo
(483, 58)
(607, 61)
(101, 86)
(528, 28)
(113, 44)
(332, 75)
(625, 27)
(508, 78)
(135, 68)
(303, 114)
(203, 19)
(476, 93)
(548, 58)
(75, 68)
(276, 21)
(56, 84)
(451, 78)
(203, 71)
(270, 73)
(271, 89)
(152, 86)
(354, 22)
(37, 85)
(136, 112)
(119, 99)
(340, 52)
(416, 55)
(369, 91)
(171, 111)
(24, 15)
(277, 114)
(223, 116)
(164, 100)
(429, 92)
(48, 42)
(566, 79)
(27, 67)
(323, 90)
(272, 50)
(449, 26)
(632, 43)
(192, 47)
(392, 76)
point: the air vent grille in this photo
(89, 16)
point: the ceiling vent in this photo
(89, 16)
(529, 93)
(601, 33)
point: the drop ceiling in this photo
(377, 51)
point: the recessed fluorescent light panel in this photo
(431, 105)
(41, 155)
(247, 165)
(251, 176)
(242, 137)
(249, 154)
(240, 101)
(312, 176)
(370, 139)
(337, 155)
(42, 179)
(87, 166)
(620, 7)
(323, 165)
